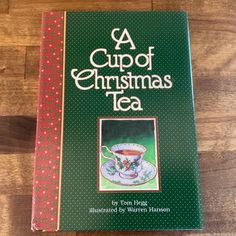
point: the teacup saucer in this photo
(147, 173)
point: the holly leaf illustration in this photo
(112, 170)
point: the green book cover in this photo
(116, 142)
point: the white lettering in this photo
(121, 40)
(78, 78)
(120, 104)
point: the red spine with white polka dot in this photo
(46, 185)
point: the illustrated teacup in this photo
(128, 158)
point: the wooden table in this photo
(213, 45)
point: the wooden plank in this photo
(218, 191)
(15, 217)
(18, 97)
(216, 112)
(12, 62)
(198, 8)
(20, 30)
(32, 63)
(215, 96)
(218, 171)
(212, 33)
(16, 173)
(17, 134)
(215, 103)
(216, 135)
(19, 80)
(213, 47)
(4, 6)
(26, 6)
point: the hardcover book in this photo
(116, 141)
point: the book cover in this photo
(116, 141)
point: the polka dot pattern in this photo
(168, 33)
(47, 151)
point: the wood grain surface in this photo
(213, 46)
